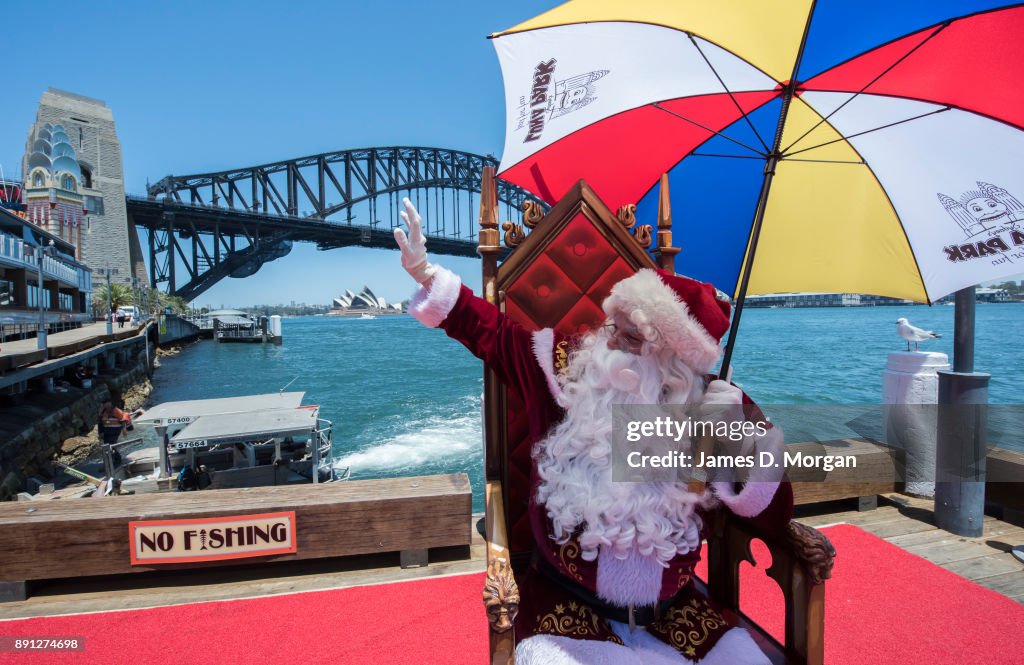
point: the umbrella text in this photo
(983, 248)
(542, 74)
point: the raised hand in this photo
(414, 246)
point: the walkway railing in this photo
(13, 249)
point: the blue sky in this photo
(206, 86)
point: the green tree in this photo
(120, 295)
(164, 300)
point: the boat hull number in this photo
(185, 445)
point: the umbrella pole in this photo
(771, 162)
(755, 234)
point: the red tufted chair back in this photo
(556, 278)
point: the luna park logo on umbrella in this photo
(550, 98)
(991, 218)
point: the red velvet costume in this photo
(529, 362)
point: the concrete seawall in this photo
(174, 330)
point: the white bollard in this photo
(911, 379)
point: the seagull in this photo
(913, 333)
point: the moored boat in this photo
(249, 441)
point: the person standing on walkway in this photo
(112, 422)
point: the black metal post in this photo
(963, 331)
(962, 438)
(961, 452)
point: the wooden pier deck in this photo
(904, 521)
(909, 523)
(21, 360)
(86, 332)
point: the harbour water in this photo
(406, 400)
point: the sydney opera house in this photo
(365, 302)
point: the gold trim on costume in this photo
(577, 620)
(570, 550)
(689, 626)
(562, 356)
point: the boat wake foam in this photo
(427, 445)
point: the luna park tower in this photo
(74, 183)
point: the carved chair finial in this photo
(532, 214)
(501, 595)
(514, 234)
(627, 215)
(642, 235)
(814, 549)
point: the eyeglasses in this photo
(628, 339)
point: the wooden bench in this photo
(1004, 483)
(876, 472)
(74, 538)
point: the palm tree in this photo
(120, 295)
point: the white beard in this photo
(575, 466)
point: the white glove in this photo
(722, 402)
(414, 247)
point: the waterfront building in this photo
(52, 190)
(822, 300)
(73, 143)
(981, 294)
(365, 302)
(67, 283)
(984, 294)
(775, 300)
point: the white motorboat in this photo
(249, 441)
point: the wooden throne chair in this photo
(559, 269)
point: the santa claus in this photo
(610, 581)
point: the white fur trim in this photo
(558, 650)
(432, 307)
(669, 315)
(635, 580)
(760, 488)
(736, 647)
(543, 348)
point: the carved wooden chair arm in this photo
(800, 543)
(812, 549)
(801, 562)
(501, 593)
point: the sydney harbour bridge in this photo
(203, 228)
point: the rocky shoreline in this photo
(42, 428)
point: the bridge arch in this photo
(208, 226)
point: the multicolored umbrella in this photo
(895, 171)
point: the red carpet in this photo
(424, 622)
(884, 606)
